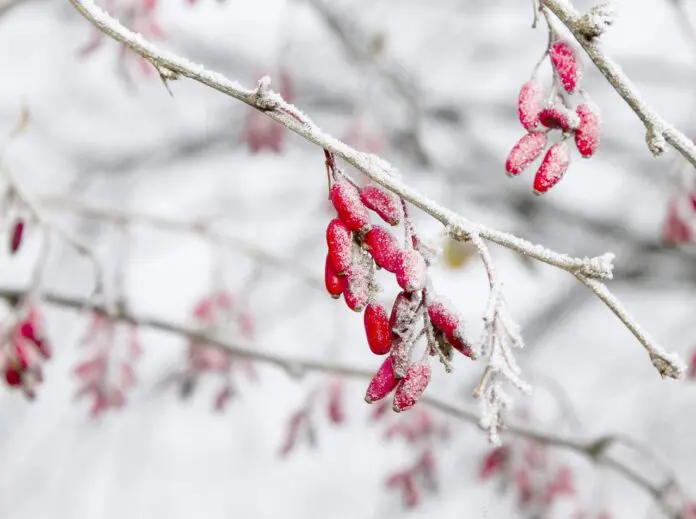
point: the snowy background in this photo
(96, 138)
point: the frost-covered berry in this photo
(16, 237)
(558, 117)
(567, 64)
(458, 342)
(350, 209)
(339, 240)
(382, 383)
(444, 318)
(383, 247)
(552, 169)
(529, 104)
(356, 289)
(411, 270)
(381, 202)
(331, 280)
(587, 134)
(377, 329)
(527, 149)
(402, 312)
(412, 386)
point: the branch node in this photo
(656, 140)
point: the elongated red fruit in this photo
(587, 134)
(526, 151)
(356, 289)
(350, 209)
(377, 329)
(412, 386)
(558, 117)
(529, 104)
(331, 280)
(381, 202)
(17, 234)
(444, 318)
(567, 64)
(13, 377)
(339, 240)
(411, 270)
(402, 312)
(382, 383)
(552, 169)
(383, 247)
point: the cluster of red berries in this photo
(528, 467)
(539, 114)
(109, 370)
(26, 350)
(356, 249)
(217, 312)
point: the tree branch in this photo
(377, 169)
(120, 216)
(586, 31)
(296, 367)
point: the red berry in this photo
(494, 462)
(558, 117)
(402, 312)
(529, 104)
(527, 149)
(350, 209)
(13, 376)
(339, 240)
(383, 247)
(443, 318)
(16, 238)
(382, 383)
(381, 202)
(552, 168)
(356, 290)
(458, 343)
(587, 134)
(411, 270)
(377, 329)
(331, 280)
(412, 386)
(567, 64)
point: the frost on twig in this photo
(500, 335)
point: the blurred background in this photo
(430, 86)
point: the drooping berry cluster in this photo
(108, 372)
(217, 313)
(540, 112)
(529, 468)
(24, 351)
(356, 249)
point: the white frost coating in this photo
(384, 174)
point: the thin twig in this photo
(121, 217)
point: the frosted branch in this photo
(377, 169)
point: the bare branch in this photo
(377, 169)
(585, 30)
(123, 217)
